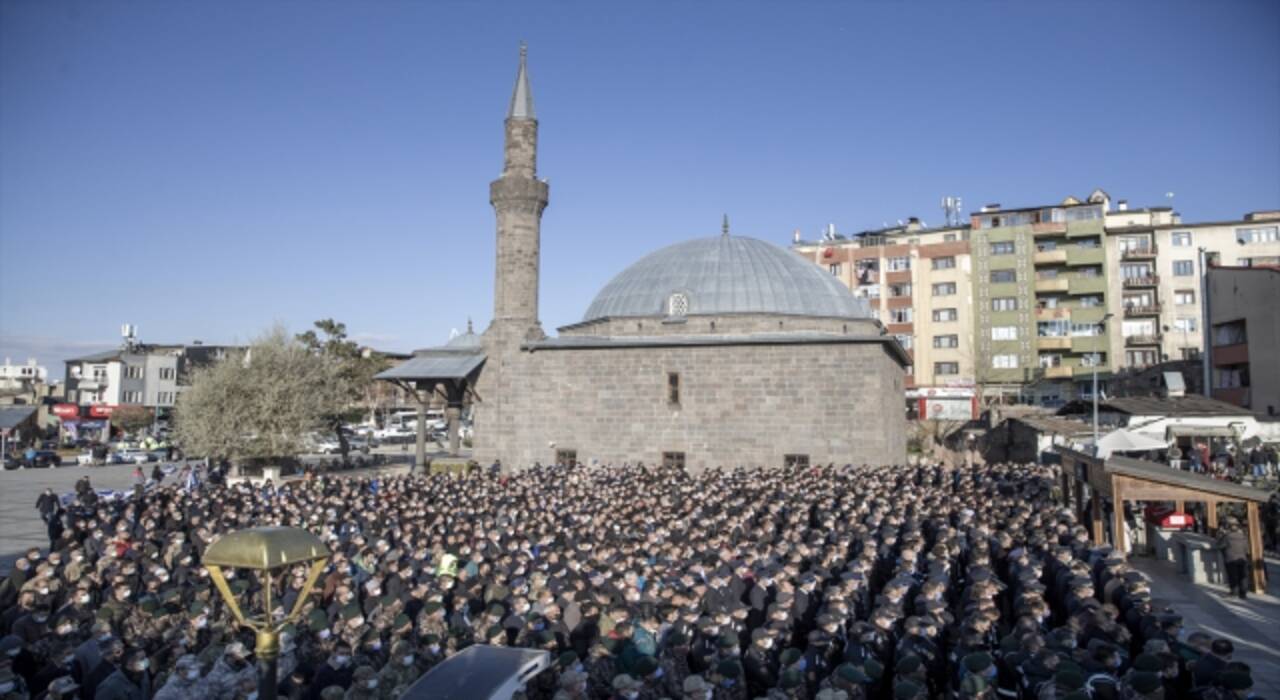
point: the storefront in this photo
(943, 403)
(92, 423)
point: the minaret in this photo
(518, 198)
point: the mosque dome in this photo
(724, 275)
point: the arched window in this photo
(677, 305)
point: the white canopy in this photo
(1122, 440)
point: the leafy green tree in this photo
(130, 418)
(353, 371)
(260, 403)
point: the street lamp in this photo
(265, 550)
(1103, 323)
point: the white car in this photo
(134, 455)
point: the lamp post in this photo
(266, 550)
(1103, 323)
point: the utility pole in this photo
(1102, 323)
(1204, 322)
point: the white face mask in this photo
(371, 684)
(324, 633)
(407, 660)
(193, 674)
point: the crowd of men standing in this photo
(644, 582)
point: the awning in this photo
(1201, 431)
(1126, 441)
(435, 364)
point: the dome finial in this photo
(724, 226)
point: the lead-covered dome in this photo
(724, 275)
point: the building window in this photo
(899, 263)
(677, 305)
(1090, 301)
(1185, 324)
(1261, 261)
(1004, 304)
(1047, 361)
(906, 341)
(1140, 358)
(1002, 248)
(133, 371)
(1261, 234)
(948, 237)
(1184, 297)
(900, 290)
(566, 457)
(1181, 239)
(1059, 328)
(1184, 268)
(1233, 333)
(168, 373)
(946, 341)
(944, 289)
(1004, 361)
(946, 368)
(131, 397)
(1004, 332)
(799, 461)
(944, 315)
(673, 388)
(900, 315)
(1086, 330)
(999, 276)
(673, 460)
(834, 268)
(946, 263)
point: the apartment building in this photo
(916, 279)
(1161, 263)
(1244, 322)
(1040, 293)
(136, 374)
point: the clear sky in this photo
(206, 169)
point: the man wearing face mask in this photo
(226, 675)
(184, 682)
(130, 681)
(364, 685)
(336, 671)
(111, 657)
(401, 670)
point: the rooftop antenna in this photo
(724, 226)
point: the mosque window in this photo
(677, 305)
(801, 461)
(566, 457)
(673, 459)
(673, 388)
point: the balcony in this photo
(1228, 355)
(1049, 228)
(1086, 255)
(1088, 314)
(1052, 313)
(1136, 310)
(1140, 282)
(1052, 284)
(1088, 284)
(1138, 253)
(1059, 372)
(1089, 343)
(1239, 395)
(1048, 257)
(1053, 342)
(1153, 339)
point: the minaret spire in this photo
(522, 96)
(724, 226)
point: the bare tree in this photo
(260, 403)
(131, 419)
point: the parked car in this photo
(46, 458)
(134, 455)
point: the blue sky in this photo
(204, 170)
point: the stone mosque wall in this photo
(745, 405)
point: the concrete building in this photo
(1040, 293)
(719, 351)
(1159, 290)
(135, 374)
(916, 280)
(22, 382)
(1244, 323)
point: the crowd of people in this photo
(643, 582)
